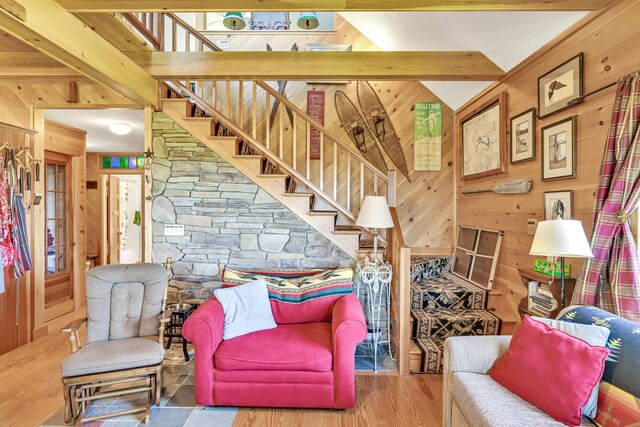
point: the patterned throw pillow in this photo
(616, 407)
(296, 290)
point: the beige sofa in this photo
(472, 399)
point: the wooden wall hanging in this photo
(315, 110)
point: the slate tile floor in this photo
(365, 358)
(177, 406)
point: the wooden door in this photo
(114, 220)
(58, 298)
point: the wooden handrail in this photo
(142, 28)
(271, 156)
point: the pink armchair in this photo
(308, 361)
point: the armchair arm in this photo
(204, 329)
(348, 328)
(72, 330)
(475, 354)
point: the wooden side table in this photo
(527, 275)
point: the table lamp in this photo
(375, 214)
(561, 238)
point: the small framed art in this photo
(483, 133)
(523, 137)
(560, 86)
(558, 205)
(559, 150)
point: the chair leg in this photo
(184, 349)
(68, 409)
(158, 386)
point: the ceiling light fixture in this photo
(308, 20)
(234, 21)
(120, 128)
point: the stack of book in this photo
(541, 300)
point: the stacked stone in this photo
(228, 220)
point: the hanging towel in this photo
(23, 258)
(137, 218)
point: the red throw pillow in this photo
(551, 370)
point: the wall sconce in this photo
(234, 21)
(308, 20)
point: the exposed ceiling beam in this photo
(318, 65)
(34, 66)
(52, 30)
(328, 5)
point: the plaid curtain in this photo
(611, 279)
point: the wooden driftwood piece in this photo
(517, 186)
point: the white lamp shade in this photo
(374, 213)
(561, 237)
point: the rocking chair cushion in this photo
(113, 355)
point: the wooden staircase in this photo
(321, 179)
(252, 159)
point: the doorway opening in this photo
(123, 218)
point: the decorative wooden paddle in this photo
(517, 186)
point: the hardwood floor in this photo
(31, 392)
(383, 400)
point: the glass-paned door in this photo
(58, 229)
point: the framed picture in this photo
(559, 150)
(558, 205)
(483, 135)
(560, 86)
(523, 137)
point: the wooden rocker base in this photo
(80, 391)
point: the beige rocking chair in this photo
(123, 352)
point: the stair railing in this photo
(294, 141)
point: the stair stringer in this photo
(273, 185)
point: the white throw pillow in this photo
(246, 309)
(592, 334)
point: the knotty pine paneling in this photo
(609, 40)
(425, 206)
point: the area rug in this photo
(177, 404)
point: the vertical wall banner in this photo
(315, 110)
(427, 136)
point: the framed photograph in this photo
(559, 150)
(523, 137)
(483, 135)
(560, 86)
(558, 205)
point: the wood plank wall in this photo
(425, 206)
(609, 40)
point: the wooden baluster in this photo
(308, 143)
(335, 171)
(349, 182)
(375, 184)
(174, 36)
(228, 98)
(267, 122)
(391, 188)
(295, 141)
(214, 94)
(361, 182)
(160, 35)
(322, 161)
(241, 103)
(200, 86)
(255, 109)
(281, 135)
(187, 40)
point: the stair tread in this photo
(347, 231)
(273, 175)
(247, 156)
(322, 213)
(293, 194)
(173, 99)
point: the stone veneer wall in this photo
(228, 219)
